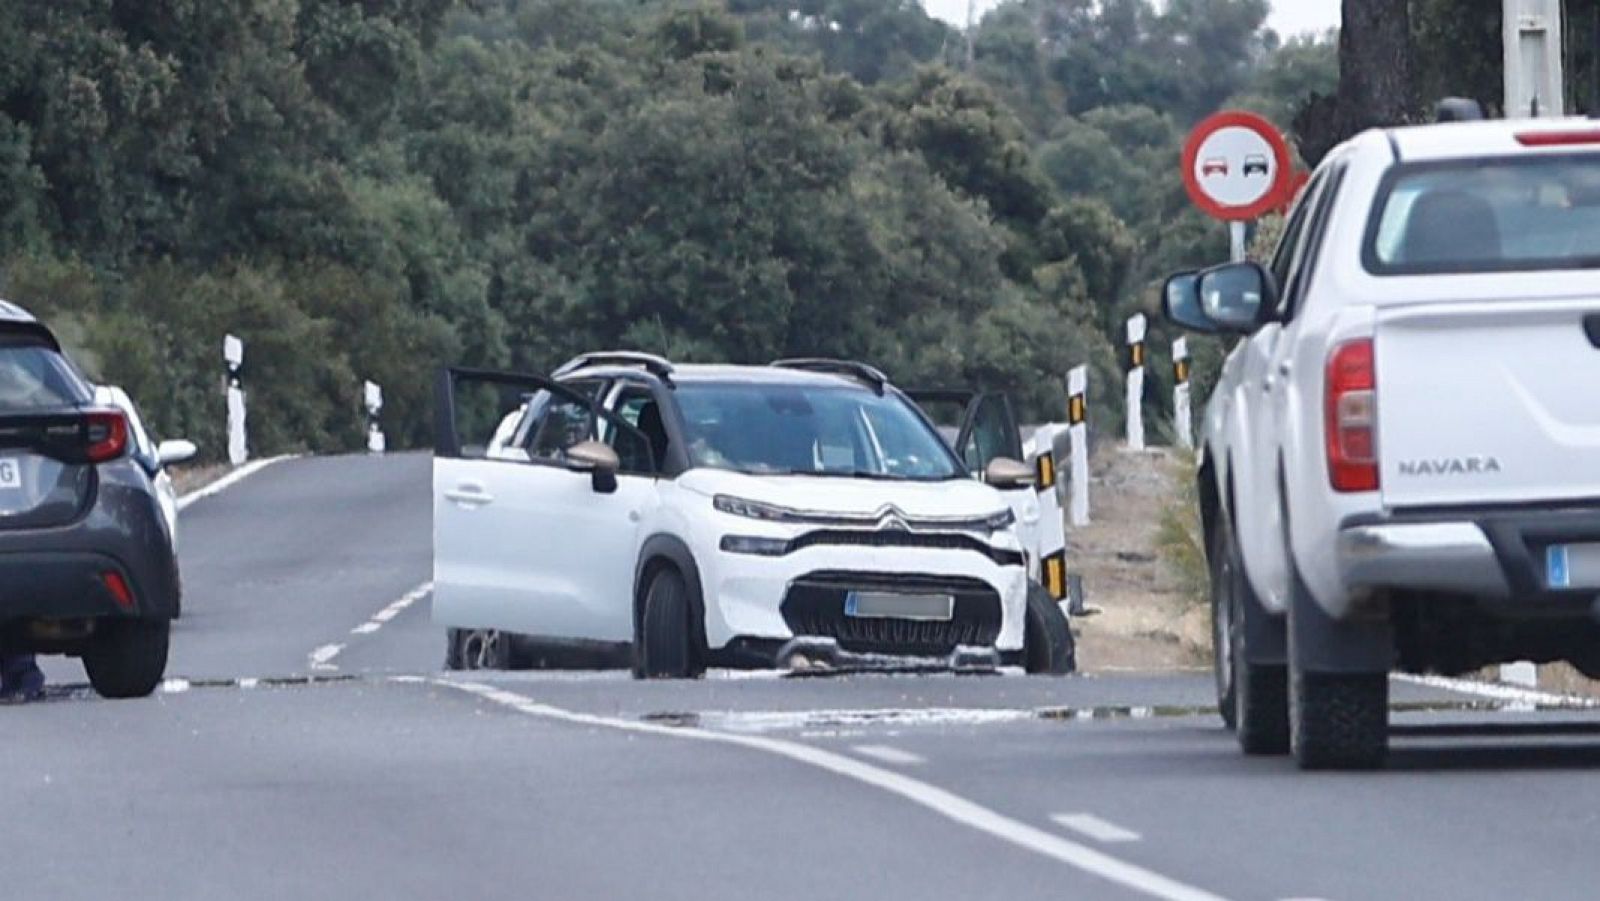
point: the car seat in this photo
(655, 430)
(1451, 226)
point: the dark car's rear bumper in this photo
(61, 573)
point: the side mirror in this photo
(175, 451)
(1006, 474)
(1180, 301)
(597, 459)
(1237, 297)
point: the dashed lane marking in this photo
(931, 797)
(322, 658)
(888, 754)
(1087, 824)
(396, 608)
(231, 479)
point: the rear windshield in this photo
(34, 378)
(1508, 215)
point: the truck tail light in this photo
(106, 436)
(1352, 417)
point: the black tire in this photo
(1047, 644)
(1339, 721)
(1253, 697)
(127, 658)
(479, 649)
(666, 648)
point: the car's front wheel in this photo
(1047, 640)
(127, 658)
(666, 648)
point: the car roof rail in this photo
(861, 372)
(660, 367)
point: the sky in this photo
(1289, 17)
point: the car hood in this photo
(834, 494)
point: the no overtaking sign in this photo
(1236, 166)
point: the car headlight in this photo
(755, 544)
(738, 506)
(1001, 521)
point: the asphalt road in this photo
(309, 747)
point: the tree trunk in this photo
(1374, 78)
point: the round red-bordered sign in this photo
(1236, 166)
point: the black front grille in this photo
(815, 604)
(901, 538)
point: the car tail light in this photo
(106, 436)
(119, 589)
(1570, 138)
(1352, 417)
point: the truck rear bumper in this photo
(1436, 556)
(1493, 554)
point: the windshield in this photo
(36, 378)
(811, 430)
(1509, 215)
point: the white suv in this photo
(1401, 461)
(676, 517)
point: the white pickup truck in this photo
(1400, 465)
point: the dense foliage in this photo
(365, 189)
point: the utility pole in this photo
(1533, 71)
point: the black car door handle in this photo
(1591, 327)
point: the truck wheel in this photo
(1047, 642)
(127, 658)
(1337, 720)
(1253, 697)
(665, 646)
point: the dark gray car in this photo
(87, 566)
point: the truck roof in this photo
(1493, 137)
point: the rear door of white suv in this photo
(525, 541)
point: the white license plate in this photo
(10, 474)
(893, 605)
(1572, 565)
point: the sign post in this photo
(1078, 428)
(233, 358)
(372, 397)
(1181, 425)
(1135, 383)
(1236, 168)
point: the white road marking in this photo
(393, 610)
(230, 480)
(174, 686)
(1092, 826)
(888, 754)
(322, 658)
(1510, 694)
(791, 720)
(939, 800)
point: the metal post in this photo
(1135, 400)
(1181, 424)
(1078, 428)
(372, 396)
(1531, 34)
(1237, 251)
(233, 358)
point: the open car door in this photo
(537, 496)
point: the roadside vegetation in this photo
(367, 190)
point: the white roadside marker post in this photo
(372, 397)
(1182, 426)
(233, 357)
(1052, 549)
(1078, 429)
(1136, 331)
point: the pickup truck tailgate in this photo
(1493, 402)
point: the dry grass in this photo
(192, 478)
(1180, 539)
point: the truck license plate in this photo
(1572, 565)
(892, 605)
